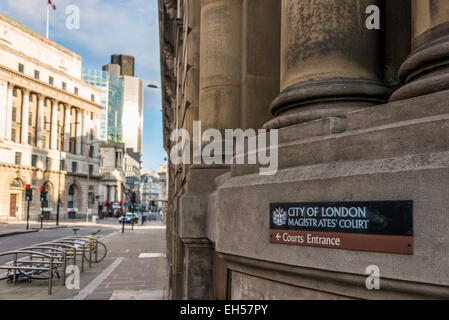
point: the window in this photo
(75, 90)
(14, 92)
(45, 123)
(74, 167)
(34, 160)
(29, 138)
(91, 134)
(18, 158)
(44, 142)
(91, 116)
(92, 98)
(64, 86)
(62, 167)
(21, 68)
(91, 152)
(14, 114)
(47, 163)
(91, 169)
(51, 80)
(30, 98)
(36, 74)
(13, 135)
(30, 119)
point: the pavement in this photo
(135, 268)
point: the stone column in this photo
(330, 62)
(426, 70)
(54, 124)
(8, 126)
(220, 61)
(40, 120)
(79, 132)
(67, 127)
(24, 117)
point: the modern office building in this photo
(133, 112)
(362, 121)
(125, 62)
(48, 126)
(112, 93)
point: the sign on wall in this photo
(380, 226)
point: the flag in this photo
(52, 4)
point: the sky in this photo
(108, 27)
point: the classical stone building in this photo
(48, 121)
(362, 115)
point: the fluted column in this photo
(330, 61)
(40, 120)
(24, 117)
(8, 125)
(67, 127)
(426, 70)
(220, 61)
(54, 124)
(79, 132)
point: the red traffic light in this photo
(28, 187)
(120, 202)
(42, 189)
(105, 203)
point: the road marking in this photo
(152, 255)
(98, 280)
(137, 295)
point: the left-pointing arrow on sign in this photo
(278, 236)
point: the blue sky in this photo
(108, 27)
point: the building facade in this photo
(361, 114)
(113, 187)
(133, 166)
(48, 126)
(149, 188)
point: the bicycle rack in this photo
(16, 260)
(51, 255)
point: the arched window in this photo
(48, 187)
(17, 184)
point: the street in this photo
(135, 267)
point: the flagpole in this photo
(48, 18)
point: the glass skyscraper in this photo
(111, 128)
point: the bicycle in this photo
(99, 249)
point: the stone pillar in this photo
(198, 276)
(40, 120)
(330, 62)
(54, 125)
(8, 126)
(426, 70)
(67, 127)
(79, 132)
(24, 117)
(220, 61)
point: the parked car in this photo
(128, 218)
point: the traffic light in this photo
(29, 193)
(153, 205)
(133, 197)
(43, 195)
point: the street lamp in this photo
(153, 86)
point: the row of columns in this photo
(80, 130)
(331, 63)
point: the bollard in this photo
(42, 220)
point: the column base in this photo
(426, 70)
(316, 99)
